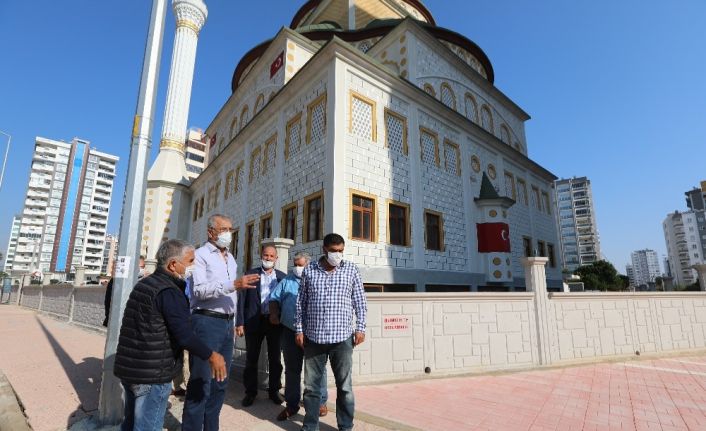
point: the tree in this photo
(600, 275)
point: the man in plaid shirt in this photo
(331, 291)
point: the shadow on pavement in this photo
(267, 411)
(85, 377)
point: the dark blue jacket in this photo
(249, 301)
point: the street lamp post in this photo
(4, 161)
(110, 405)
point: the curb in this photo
(11, 411)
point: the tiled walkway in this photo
(55, 369)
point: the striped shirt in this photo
(327, 301)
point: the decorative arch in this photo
(448, 97)
(259, 103)
(429, 89)
(471, 107)
(233, 127)
(244, 117)
(486, 118)
(505, 134)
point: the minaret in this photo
(166, 199)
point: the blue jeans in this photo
(145, 406)
(204, 396)
(293, 361)
(341, 357)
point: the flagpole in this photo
(110, 407)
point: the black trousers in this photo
(253, 345)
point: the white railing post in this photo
(536, 281)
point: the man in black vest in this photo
(154, 333)
(253, 319)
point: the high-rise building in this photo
(12, 244)
(65, 212)
(195, 153)
(630, 273)
(110, 251)
(685, 238)
(696, 198)
(645, 267)
(576, 219)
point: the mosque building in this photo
(365, 118)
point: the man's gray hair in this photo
(302, 255)
(172, 249)
(212, 219)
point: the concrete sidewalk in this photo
(55, 370)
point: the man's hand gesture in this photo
(218, 367)
(358, 338)
(246, 282)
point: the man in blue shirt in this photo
(332, 289)
(213, 307)
(283, 308)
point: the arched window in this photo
(486, 118)
(430, 89)
(244, 117)
(221, 146)
(505, 134)
(471, 108)
(448, 97)
(233, 127)
(259, 103)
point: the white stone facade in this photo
(340, 125)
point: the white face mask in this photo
(298, 271)
(334, 258)
(223, 240)
(188, 272)
(267, 264)
(141, 273)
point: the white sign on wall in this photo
(396, 326)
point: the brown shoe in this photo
(323, 411)
(286, 414)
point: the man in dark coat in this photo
(253, 321)
(154, 333)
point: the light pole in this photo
(110, 404)
(4, 161)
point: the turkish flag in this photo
(493, 237)
(212, 142)
(277, 64)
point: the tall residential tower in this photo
(576, 217)
(65, 212)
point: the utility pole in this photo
(7, 150)
(111, 402)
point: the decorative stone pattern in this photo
(379, 171)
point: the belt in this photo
(215, 314)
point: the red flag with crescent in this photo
(493, 237)
(277, 64)
(212, 141)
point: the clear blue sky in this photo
(616, 89)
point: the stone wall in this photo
(31, 296)
(57, 300)
(88, 306)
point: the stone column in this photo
(80, 276)
(536, 281)
(282, 245)
(46, 278)
(150, 266)
(167, 176)
(701, 270)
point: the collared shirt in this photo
(213, 279)
(267, 284)
(286, 295)
(326, 303)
